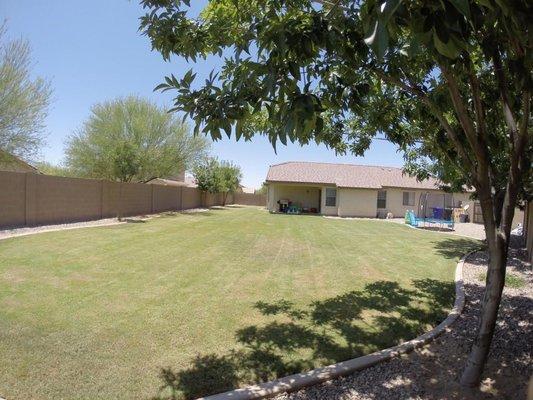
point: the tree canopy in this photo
(230, 178)
(132, 139)
(215, 176)
(48, 168)
(448, 81)
(24, 99)
(206, 176)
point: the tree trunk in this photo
(498, 245)
(119, 208)
(489, 311)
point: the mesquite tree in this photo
(132, 140)
(24, 100)
(448, 81)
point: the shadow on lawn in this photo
(455, 248)
(383, 314)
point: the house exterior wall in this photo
(352, 202)
(363, 202)
(398, 209)
(357, 202)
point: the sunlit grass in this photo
(199, 303)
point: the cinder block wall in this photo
(250, 199)
(12, 199)
(54, 199)
(29, 199)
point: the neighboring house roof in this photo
(245, 189)
(166, 182)
(9, 162)
(189, 182)
(346, 175)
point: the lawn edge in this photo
(51, 228)
(319, 375)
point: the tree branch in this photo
(502, 86)
(478, 145)
(515, 168)
(418, 92)
(461, 111)
(478, 104)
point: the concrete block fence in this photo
(29, 199)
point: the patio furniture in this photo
(294, 209)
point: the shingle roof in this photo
(9, 162)
(346, 175)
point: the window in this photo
(382, 199)
(331, 197)
(408, 198)
(448, 200)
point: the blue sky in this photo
(92, 52)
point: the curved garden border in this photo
(297, 381)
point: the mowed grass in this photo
(192, 304)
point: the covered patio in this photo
(305, 199)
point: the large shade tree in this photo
(24, 100)
(132, 139)
(448, 81)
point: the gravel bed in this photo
(432, 372)
(7, 233)
(13, 232)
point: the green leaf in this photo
(378, 39)
(463, 7)
(294, 69)
(504, 6)
(387, 9)
(448, 49)
(160, 86)
(238, 129)
(486, 3)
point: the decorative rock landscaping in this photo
(433, 371)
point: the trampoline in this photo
(434, 210)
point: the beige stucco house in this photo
(347, 190)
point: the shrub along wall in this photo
(29, 199)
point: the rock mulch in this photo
(23, 231)
(433, 371)
(7, 233)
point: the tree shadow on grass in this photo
(296, 339)
(455, 248)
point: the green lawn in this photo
(192, 304)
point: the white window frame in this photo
(326, 197)
(410, 202)
(383, 198)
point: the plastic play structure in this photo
(434, 210)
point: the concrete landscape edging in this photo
(319, 375)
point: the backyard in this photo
(189, 304)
